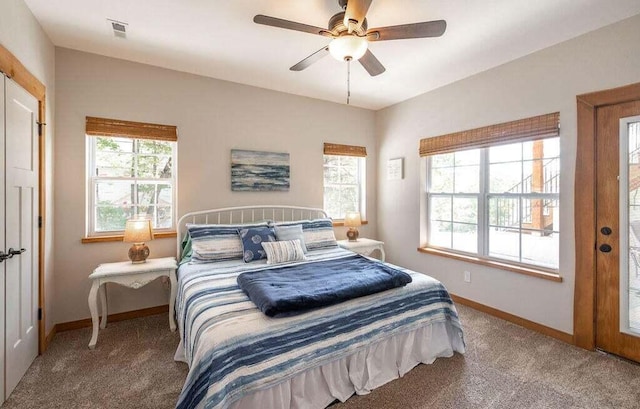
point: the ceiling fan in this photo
(350, 35)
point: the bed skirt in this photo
(359, 372)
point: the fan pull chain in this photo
(348, 79)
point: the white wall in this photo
(22, 35)
(543, 82)
(213, 117)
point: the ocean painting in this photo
(254, 171)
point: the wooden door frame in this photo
(13, 68)
(584, 301)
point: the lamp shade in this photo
(352, 219)
(138, 231)
(348, 46)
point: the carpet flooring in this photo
(506, 366)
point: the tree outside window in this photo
(131, 177)
(343, 185)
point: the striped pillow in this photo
(217, 242)
(286, 251)
(318, 233)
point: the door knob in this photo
(4, 256)
(605, 248)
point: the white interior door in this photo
(21, 232)
(2, 243)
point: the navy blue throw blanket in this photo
(293, 290)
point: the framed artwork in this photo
(256, 171)
(395, 169)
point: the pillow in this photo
(252, 240)
(283, 251)
(217, 242)
(284, 233)
(187, 248)
(318, 233)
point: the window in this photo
(129, 176)
(344, 180)
(498, 200)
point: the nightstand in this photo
(132, 276)
(363, 246)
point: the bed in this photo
(240, 358)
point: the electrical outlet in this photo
(467, 276)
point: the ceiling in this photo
(217, 38)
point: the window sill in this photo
(339, 223)
(534, 272)
(119, 237)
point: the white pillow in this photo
(286, 251)
(294, 232)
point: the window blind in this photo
(128, 129)
(344, 150)
(522, 130)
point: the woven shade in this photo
(344, 150)
(522, 130)
(128, 129)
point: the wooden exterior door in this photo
(618, 229)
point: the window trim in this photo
(523, 130)
(111, 128)
(534, 271)
(171, 234)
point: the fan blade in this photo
(318, 55)
(416, 30)
(371, 64)
(355, 14)
(289, 25)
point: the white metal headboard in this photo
(245, 214)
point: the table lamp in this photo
(137, 231)
(352, 221)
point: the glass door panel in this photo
(630, 219)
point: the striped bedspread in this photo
(233, 349)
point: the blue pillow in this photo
(252, 240)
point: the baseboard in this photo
(49, 337)
(121, 316)
(533, 326)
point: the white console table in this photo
(363, 246)
(132, 276)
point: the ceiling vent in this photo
(119, 28)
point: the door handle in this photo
(13, 252)
(5, 256)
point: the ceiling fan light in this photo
(348, 46)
